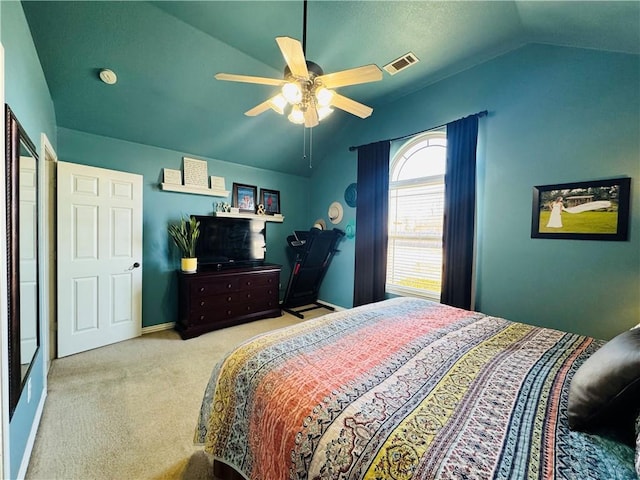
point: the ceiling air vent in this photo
(401, 63)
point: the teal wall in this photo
(556, 115)
(160, 259)
(26, 89)
(27, 94)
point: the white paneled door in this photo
(99, 257)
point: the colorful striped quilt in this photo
(405, 389)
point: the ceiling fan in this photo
(306, 91)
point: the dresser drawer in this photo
(223, 313)
(253, 280)
(214, 286)
(259, 294)
(215, 302)
(212, 317)
(266, 303)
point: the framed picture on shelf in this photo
(592, 210)
(244, 197)
(271, 201)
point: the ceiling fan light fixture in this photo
(324, 112)
(309, 94)
(296, 116)
(324, 96)
(292, 93)
(278, 103)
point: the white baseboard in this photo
(158, 328)
(32, 437)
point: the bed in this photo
(405, 389)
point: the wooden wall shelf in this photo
(266, 218)
(170, 187)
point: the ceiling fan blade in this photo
(353, 76)
(351, 106)
(311, 117)
(258, 109)
(294, 56)
(249, 79)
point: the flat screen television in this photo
(226, 241)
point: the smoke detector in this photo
(108, 76)
(401, 63)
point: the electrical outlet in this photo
(29, 390)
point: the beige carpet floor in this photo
(129, 410)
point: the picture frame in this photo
(590, 210)
(244, 197)
(271, 201)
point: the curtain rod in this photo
(483, 113)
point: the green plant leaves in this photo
(185, 235)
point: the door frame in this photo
(48, 253)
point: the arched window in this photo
(416, 209)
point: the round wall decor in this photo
(351, 194)
(350, 230)
(320, 224)
(335, 212)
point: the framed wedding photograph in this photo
(592, 210)
(271, 201)
(244, 197)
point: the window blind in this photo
(415, 235)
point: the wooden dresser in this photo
(211, 299)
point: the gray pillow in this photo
(605, 391)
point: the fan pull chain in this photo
(304, 145)
(310, 147)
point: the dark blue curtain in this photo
(371, 223)
(459, 217)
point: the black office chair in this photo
(313, 252)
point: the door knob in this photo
(135, 265)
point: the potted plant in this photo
(185, 235)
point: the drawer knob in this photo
(271, 280)
(228, 299)
(248, 308)
(248, 295)
(229, 285)
(248, 283)
(270, 292)
(228, 312)
(202, 289)
(201, 317)
(202, 304)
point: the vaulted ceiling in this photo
(165, 55)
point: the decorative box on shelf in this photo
(267, 218)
